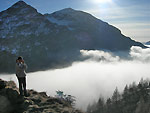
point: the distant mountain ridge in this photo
(54, 39)
(147, 43)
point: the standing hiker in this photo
(21, 75)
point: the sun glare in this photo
(102, 1)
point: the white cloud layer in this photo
(99, 55)
(136, 53)
(99, 75)
(139, 54)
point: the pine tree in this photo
(125, 100)
(108, 106)
(116, 96)
(134, 99)
(100, 105)
(142, 107)
(116, 101)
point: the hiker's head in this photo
(17, 61)
(20, 59)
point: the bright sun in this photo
(101, 1)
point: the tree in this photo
(142, 107)
(143, 89)
(125, 100)
(100, 105)
(134, 99)
(116, 96)
(108, 106)
(116, 101)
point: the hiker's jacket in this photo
(20, 69)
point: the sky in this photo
(132, 17)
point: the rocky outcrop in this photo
(36, 102)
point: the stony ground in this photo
(36, 102)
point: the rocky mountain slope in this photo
(147, 43)
(90, 32)
(36, 102)
(51, 40)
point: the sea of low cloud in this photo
(99, 75)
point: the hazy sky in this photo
(132, 17)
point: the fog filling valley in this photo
(99, 75)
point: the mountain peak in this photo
(66, 10)
(21, 7)
(19, 4)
